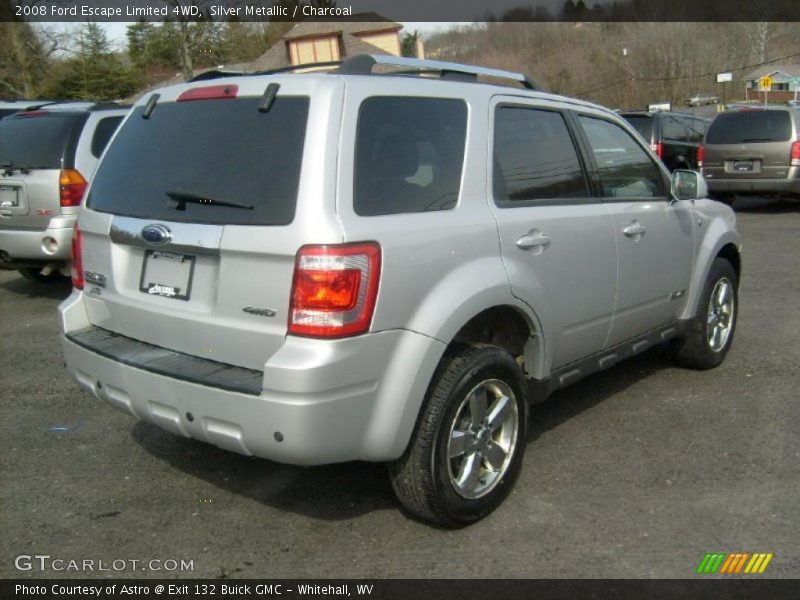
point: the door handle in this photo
(533, 239)
(635, 229)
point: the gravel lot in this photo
(636, 472)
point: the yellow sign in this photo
(765, 83)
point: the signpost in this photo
(724, 78)
(659, 106)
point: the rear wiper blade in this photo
(757, 140)
(179, 198)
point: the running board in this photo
(573, 372)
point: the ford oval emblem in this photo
(156, 235)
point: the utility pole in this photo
(629, 82)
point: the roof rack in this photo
(362, 64)
(216, 74)
(221, 72)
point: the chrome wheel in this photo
(482, 438)
(721, 308)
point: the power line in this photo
(681, 77)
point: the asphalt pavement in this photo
(637, 472)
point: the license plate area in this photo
(9, 197)
(167, 274)
(742, 166)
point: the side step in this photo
(573, 372)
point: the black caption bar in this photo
(396, 10)
(540, 589)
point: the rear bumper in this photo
(50, 244)
(321, 401)
(754, 186)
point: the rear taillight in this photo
(658, 148)
(209, 92)
(795, 154)
(334, 290)
(72, 186)
(701, 156)
(77, 258)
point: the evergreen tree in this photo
(95, 72)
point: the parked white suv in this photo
(348, 266)
(47, 156)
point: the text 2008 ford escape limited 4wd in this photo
(348, 266)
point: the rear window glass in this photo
(750, 127)
(642, 124)
(36, 142)
(206, 151)
(409, 155)
(673, 128)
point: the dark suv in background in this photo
(754, 150)
(674, 137)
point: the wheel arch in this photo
(511, 328)
(731, 253)
(720, 241)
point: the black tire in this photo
(725, 199)
(697, 350)
(422, 478)
(34, 274)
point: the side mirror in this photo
(688, 185)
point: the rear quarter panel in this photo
(439, 268)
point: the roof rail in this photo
(216, 74)
(315, 65)
(222, 72)
(362, 64)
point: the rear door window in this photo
(534, 157)
(223, 152)
(750, 126)
(409, 155)
(624, 169)
(38, 141)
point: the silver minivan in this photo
(753, 150)
(47, 157)
(327, 267)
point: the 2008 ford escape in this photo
(350, 266)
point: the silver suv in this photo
(47, 156)
(349, 266)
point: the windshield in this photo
(224, 150)
(37, 141)
(750, 126)
(641, 123)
